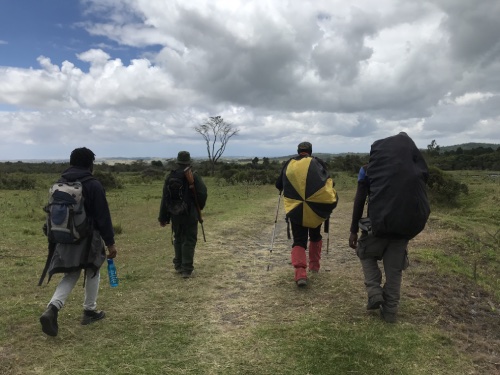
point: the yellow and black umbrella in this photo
(308, 192)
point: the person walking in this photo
(309, 198)
(394, 183)
(181, 204)
(88, 254)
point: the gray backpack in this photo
(67, 221)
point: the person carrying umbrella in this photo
(309, 199)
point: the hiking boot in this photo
(301, 282)
(374, 302)
(186, 274)
(49, 321)
(178, 269)
(388, 317)
(91, 316)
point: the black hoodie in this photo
(96, 204)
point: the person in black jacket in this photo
(184, 214)
(88, 254)
(391, 223)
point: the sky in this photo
(133, 78)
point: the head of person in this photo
(304, 147)
(82, 157)
(183, 158)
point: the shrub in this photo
(443, 188)
(153, 174)
(13, 182)
(108, 180)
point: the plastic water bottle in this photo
(113, 277)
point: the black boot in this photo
(91, 316)
(49, 321)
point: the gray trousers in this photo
(67, 284)
(394, 256)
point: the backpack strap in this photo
(51, 248)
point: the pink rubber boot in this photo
(314, 255)
(299, 262)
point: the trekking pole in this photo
(327, 231)
(190, 178)
(275, 221)
(274, 231)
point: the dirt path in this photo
(258, 284)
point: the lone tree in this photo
(216, 133)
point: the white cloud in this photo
(339, 74)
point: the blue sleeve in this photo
(362, 174)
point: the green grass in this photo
(234, 316)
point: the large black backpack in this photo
(176, 193)
(397, 175)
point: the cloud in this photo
(341, 74)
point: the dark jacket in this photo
(96, 204)
(201, 196)
(90, 252)
(362, 193)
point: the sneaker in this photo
(374, 302)
(91, 316)
(301, 282)
(388, 317)
(49, 321)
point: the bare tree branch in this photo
(216, 133)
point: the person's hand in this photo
(112, 251)
(353, 240)
(164, 223)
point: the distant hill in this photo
(469, 146)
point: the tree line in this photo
(477, 158)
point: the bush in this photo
(443, 188)
(153, 174)
(108, 180)
(13, 182)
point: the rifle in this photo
(190, 178)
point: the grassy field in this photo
(242, 313)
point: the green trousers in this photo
(185, 229)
